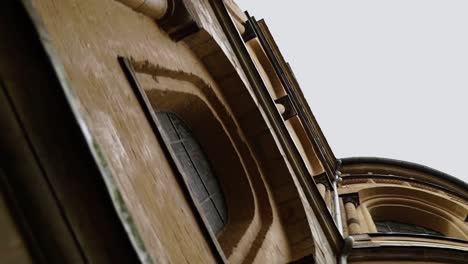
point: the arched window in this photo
(196, 170)
(398, 227)
(400, 209)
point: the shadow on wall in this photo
(196, 104)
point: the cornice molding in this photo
(312, 194)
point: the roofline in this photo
(406, 165)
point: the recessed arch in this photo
(219, 150)
(417, 207)
(414, 215)
(198, 104)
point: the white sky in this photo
(384, 78)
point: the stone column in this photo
(329, 201)
(354, 225)
(351, 201)
(322, 189)
(325, 189)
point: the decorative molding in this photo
(178, 22)
(323, 179)
(362, 237)
(271, 113)
(290, 110)
(351, 198)
(398, 180)
(402, 252)
(249, 33)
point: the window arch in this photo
(415, 209)
(208, 125)
(232, 159)
(196, 170)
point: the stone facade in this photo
(88, 175)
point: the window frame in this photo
(155, 124)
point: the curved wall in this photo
(376, 189)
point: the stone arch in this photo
(224, 158)
(187, 94)
(198, 105)
(417, 207)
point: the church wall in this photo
(88, 36)
(423, 215)
(198, 77)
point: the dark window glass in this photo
(196, 170)
(397, 227)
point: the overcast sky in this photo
(384, 78)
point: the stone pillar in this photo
(322, 189)
(368, 221)
(325, 189)
(354, 225)
(329, 201)
(351, 201)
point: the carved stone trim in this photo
(289, 111)
(351, 198)
(323, 179)
(178, 22)
(249, 33)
